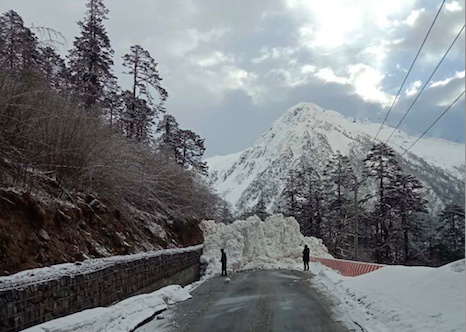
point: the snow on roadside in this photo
(399, 298)
(275, 243)
(393, 298)
(124, 316)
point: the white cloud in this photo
(308, 69)
(413, 17)
(453, 6)
(324, 27)
(264, 56)
(235, 78)
(376, 53)
(333, 23)
(413, 88)
(327, 75)
(367, 83)
(181, 42)
(447, 80)
(228, 78)
(281, 81)
(214, 59)
(274, 53)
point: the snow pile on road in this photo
(399, 298)
(254, 244)
(124, 316)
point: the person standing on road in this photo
(306, 257)
(223, 260)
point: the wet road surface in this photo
(275, 300)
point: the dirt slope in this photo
(36, 232)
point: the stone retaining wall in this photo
(42, 301)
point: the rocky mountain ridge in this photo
(307, 134)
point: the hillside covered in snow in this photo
(309, 135)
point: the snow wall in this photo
(255, 244)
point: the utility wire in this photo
(409, 71)
(427, 82)
(440, 116)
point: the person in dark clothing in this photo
(223, 260)
(306, 257)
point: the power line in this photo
(409, 71)
(427, 82)
(440, 116)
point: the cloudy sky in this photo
(233, 67)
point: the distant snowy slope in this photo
(308, 134)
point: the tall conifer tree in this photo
(18, 45)
(450, 234)
(141, 107)
(405, 200)
(169, 136)
(90, 59)
(339, 178)
(54, 69)
(382, 166)
(191, 150)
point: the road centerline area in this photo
(265, 300)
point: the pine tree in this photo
(382, 166)
(223, 211)
(292, 197)
(339, 177)
(141, 107)
(312, 203)
(137, 118)
(260, 209)
(190, 151)
(91, 58)
(450, 235)
(185, 147)
(169, 138)
(113, 104)
(54, 70)
(18, 45)
(404, 198)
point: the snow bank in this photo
(252, 243)
(400, 298)
(123, 316)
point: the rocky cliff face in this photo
(308, 135)
(37, 232)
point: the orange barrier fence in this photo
(348, 268)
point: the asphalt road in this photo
(275, 300)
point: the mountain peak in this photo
(305, 107)
(309, 133)
(310, 113)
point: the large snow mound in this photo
(253, 243)
(400, 298)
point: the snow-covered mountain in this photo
(308, 134)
